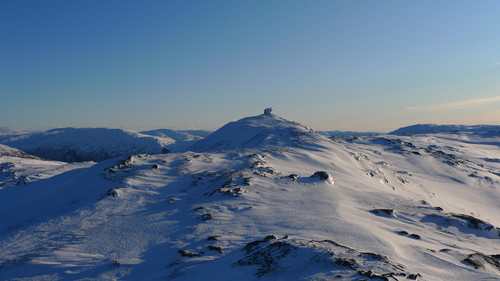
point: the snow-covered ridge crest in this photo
(259, 131)
(13, 152)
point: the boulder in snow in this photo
(324, 176)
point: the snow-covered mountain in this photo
(88, 144)
(432, 129)
(260, 131)
(264, 198)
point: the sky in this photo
(198, 64)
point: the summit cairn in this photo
(268, 111)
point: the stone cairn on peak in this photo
(268, 111)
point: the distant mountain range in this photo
(97, 144)
(432, 129)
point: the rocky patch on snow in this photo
(481, 261)
(463, 223)
(324, 176)
(274, 255)
(443, 221)
(384, 212)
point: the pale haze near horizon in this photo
(331, 65)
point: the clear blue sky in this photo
(348, 65)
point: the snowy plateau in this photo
(262, 198)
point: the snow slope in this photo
(19, 168)
(88, 144)
(264, 198)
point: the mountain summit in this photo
(263, 130)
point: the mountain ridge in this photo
(263, 198)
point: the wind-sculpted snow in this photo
(263, 199)
(89, 144)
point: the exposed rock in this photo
(325, 176)
(464, 223)
(415, 236)
(472, 221)
(213, 238)
(112, 192)
(186, 253)
(479, 260)
(384, 212)
(249, 246)
(274, 255)
(414, 276)
(267, 258)
(206, 217)
(214, 248)
(23, 180)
